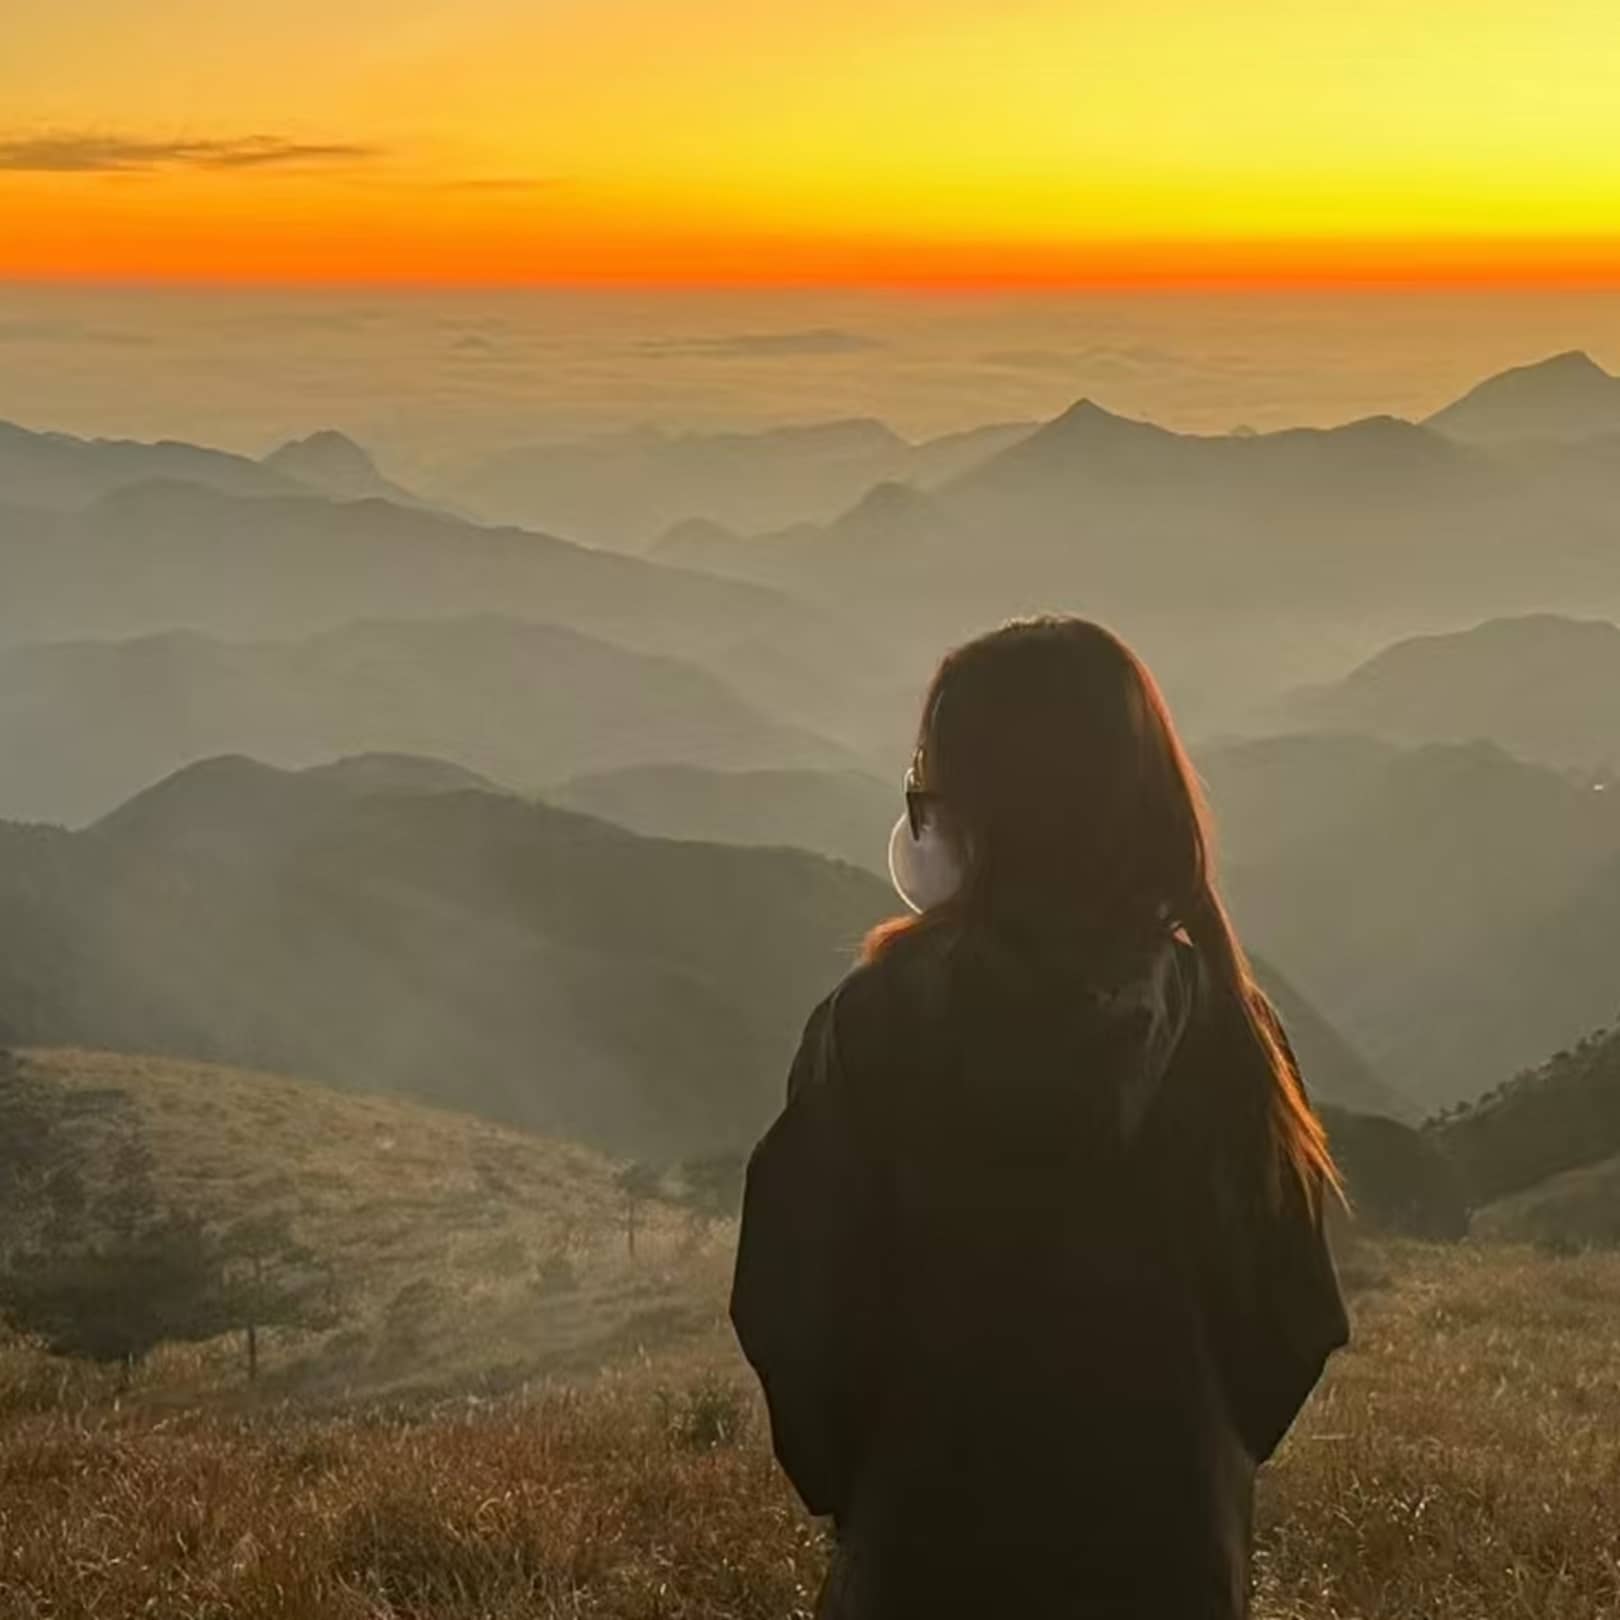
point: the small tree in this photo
(116, 1299)
(637, 1182)
(270, 1280)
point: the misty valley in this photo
(413, 889)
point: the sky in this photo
(953, 144)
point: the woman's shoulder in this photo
(890, 999)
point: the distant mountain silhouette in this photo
(146, 558)
(848, 816)
(1444, 905)
(845, 815)
(56, 470)
(331, 463)
(460, 947)
(1088, 445)
(1249, 555)
(1546, 688)
(1568, 396)
(85, 724)
(624, 490)
(1334, 1069)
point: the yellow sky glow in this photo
(947, 142)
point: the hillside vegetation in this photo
(1561, 1116)
(458, 1253)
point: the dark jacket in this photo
(1029, 1299)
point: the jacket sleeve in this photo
(807, 1295)
(1275, 1309)
(1292, 1318)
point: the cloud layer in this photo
(83, 152)
(810, 341)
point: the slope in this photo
(448, 1245)
(156, 556)
(1442, 905)
(1544, 687)
(85, 724)
(465, 948)
(845, 815)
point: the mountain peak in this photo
(1570, 361)
(1565, 396)
(1086, 415)
(332, 464)
(324, 454)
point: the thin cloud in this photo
(750, 345)
(81, 152)
(68, 332)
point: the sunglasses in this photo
(918, 799)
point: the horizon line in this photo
(1166, 285)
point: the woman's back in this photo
(1032, 1265)
(1025, 1408)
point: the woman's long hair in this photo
(1051, 755)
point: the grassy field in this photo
(514, 1417)
(463, 1255)
(1461, 1463)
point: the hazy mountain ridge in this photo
(150, 557)
(57, 470)
(848, 817)
(332, 464)
(845, 815)
(1443, 904)
(1566, 396)
(460, 947)
(85, 724)
(1254, 553)
(1543, 686)
(624, 490)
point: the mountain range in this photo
(1567, 396)
(1543, 687)
(155, 556)
(1240, 563)
(624, 490)
(83, 725)
(397, 926)
(1444, 905)
(402, 933)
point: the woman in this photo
(1032, 1265)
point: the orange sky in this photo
(1045, 142)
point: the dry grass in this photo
(1462, 1463)
(462, 1254)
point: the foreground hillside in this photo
(649, 1493)
(1540, 1154)
(453, 1252)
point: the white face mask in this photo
(925, 870)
